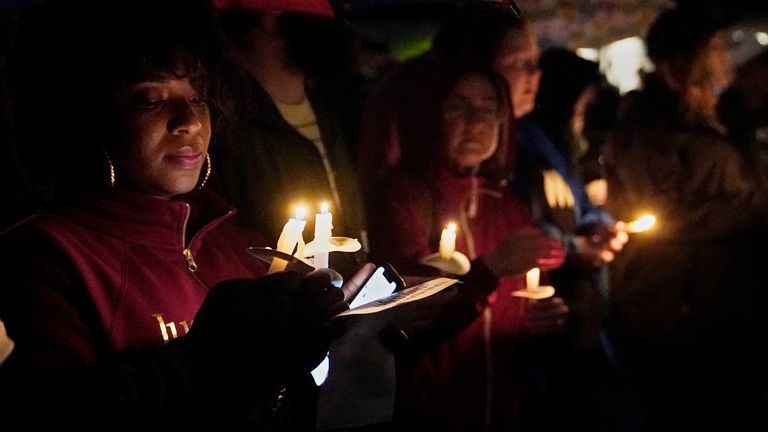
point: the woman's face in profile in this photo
(718, 58)
(517, 60)
(710, 74)
(470, 122)
(165, 130)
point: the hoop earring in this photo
(111, 168)
(207, 170)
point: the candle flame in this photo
(644, 223)
(324, 207)
(300, 212)
(451, 227)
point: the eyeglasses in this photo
(460, 111)
(521, 65)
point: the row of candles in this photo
(291, 242)
(448, 236)
(291, 238)
(532, 287)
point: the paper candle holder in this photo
(542, 292)
(533, 290)
(457, 263)
(336, 244)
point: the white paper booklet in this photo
(417, 292)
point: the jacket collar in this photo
(143, 219)
(453, 190)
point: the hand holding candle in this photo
(290, 238)
(606, 241)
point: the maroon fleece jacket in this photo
(453, 386)
(101, 272)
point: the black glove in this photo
(253, 335)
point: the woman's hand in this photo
(545, 316)
(591, 254)
(524, 249)
(267, 328)
(6, 344)
(619, 237)
(601, 247)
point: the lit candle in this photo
(290, 237)
(643, 223)
(532, 279)
(533, 290)
(323, 228)
(448, 241)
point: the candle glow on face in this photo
(532, 279)
(643, 223)
(448, 241)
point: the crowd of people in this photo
(149, 144)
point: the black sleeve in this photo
(480, 282)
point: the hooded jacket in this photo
(470, 380)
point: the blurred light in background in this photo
(622, 62)
(762, 38)
(590, 54)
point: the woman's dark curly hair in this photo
(91, 50)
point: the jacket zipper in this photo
(190, 260)
(187, 252)
(191, 264)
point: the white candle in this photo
(323, 228)
(448, 241)
(532, 279)
(291, 236)
(533, 290)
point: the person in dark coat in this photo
(686, 311)
(285, 145)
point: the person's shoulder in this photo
(710, 147)
(39, 223)
(402, 181)
(19, 226)
(233, 233)
(38, 235)
(222, 213)
(401, 189)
